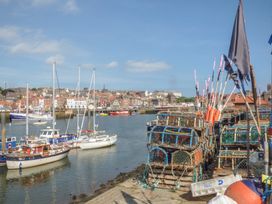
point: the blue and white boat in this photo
(54, 137)
(17, 116)
(2, 159)
(11, 143)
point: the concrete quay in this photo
(130, 192)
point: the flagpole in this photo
(212, 88)
(251, 113)
(225, 85)
(254, 92)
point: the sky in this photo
(133, 44)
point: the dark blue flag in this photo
(270, 40)
(238, 50)
(227, 67)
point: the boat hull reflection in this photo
(38, 174)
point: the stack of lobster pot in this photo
(177, 150)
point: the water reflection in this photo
(36, 175)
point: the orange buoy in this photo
(244, 192)
(211, 115)
(216, 115)
(207, 113)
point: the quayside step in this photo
(171, 177)
(171, 182)
(169, 172)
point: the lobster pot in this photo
(228, 136)
(155, 137)
(241, 136)
(238, 135)
(174, 137)
(186, 158)
(158, 155)
(244, 192)
(173, 121)
(254, 136)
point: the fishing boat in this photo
(35, 155)
(96, 139)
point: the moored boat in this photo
(2, 159)
(53, 136)
(40, 123)
(119, 113)
(17, 116)
(95, 138)
(35, 155)
(99, 141)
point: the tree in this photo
(185, 99)
(4, 92)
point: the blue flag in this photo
(238, 50)
(270, 40)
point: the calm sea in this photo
(82, 171)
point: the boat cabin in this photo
(10, 143)
(48, 133)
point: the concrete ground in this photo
(132, 193)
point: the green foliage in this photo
(4, 92)
(185, 99)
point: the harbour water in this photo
(83, 171)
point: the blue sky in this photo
(134, 44)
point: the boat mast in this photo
(53, 98)
(94, 100)
(27, 100)
(78, 92)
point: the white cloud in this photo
(146, 66)
(59, 59)
(46, 46)
(87, 66)
(9, 33)
(71, 6)
(112, 64)
(17, 40)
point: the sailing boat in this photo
(97, 139)
(40, 152)
(52, 135)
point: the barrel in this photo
(244, 192)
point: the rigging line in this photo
(91, 85)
